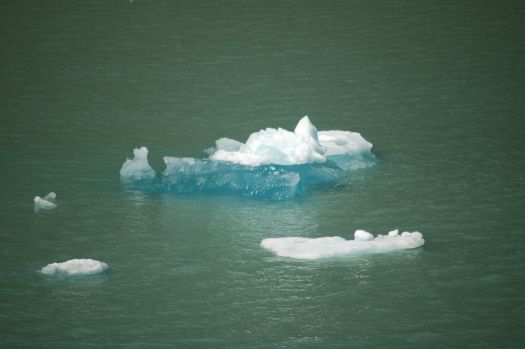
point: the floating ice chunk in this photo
(43, 204)
(46, 203)
(325, 247)
(362, 235)
(75, 267)
(349, 150)
(273, 164)
(343, 142)
(138, 167)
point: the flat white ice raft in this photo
(75, 267)
(333, 246)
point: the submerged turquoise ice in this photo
(273, 164)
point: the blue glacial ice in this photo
(335, 246)
(272, 164)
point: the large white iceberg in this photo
(272, 164)
(75, 267)
(333, 246)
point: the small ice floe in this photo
(75, 267)
(333, 246)
(46, 203)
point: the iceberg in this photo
(334, 246)
(46, 203)
(274, 164)
(75, 267)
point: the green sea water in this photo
(437, 87)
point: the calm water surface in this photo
(437, 87)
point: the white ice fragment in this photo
(325, 247)
(46, 203)
(227, 144)
(138, 167)
(274, 146)
(362, 235)
(394, 232)
(180, 165)
(306, 129)
(224, 145)
(337, 142)
(75, 267)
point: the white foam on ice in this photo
(333, 246)
(282, 147)
(138, 167)
(75, 267)
(46, 203)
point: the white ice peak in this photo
(282, 147)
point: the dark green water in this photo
(438, 87)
